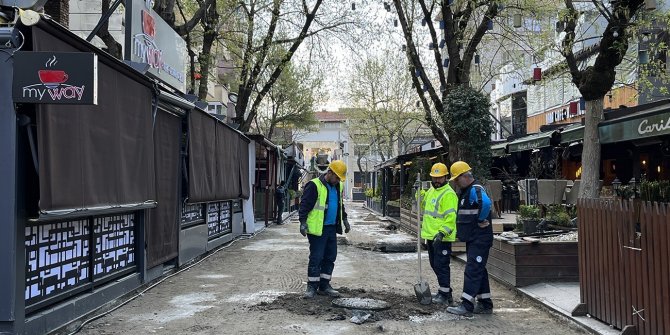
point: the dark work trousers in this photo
(322, 255)
(280, 210)
(439, 255)
(476, 283)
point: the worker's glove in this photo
(437, 242)
(303, 228)
(347, 227)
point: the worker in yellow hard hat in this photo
(439, 229)
(473, 223)
(321, 216)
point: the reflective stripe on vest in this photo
(433, 220)
(435, 213)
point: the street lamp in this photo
(633, 183)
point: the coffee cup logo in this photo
(52, 78)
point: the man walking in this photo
(473, 223)
(280, 196)
(439, 229)
(321, 217)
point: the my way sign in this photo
(55, 78)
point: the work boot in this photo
(459, 310)
(443, 298)
(329, 291)
(480, 309)
(310, 292)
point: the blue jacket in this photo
(474, 206)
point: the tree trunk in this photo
(590, 180)
(165, 9)
(205, 60)
(208, 38)
(113, 47)
(59, 10)
(454, 153)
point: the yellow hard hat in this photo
(339, 168)
(458, 169)
(439, 170)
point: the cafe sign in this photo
(646, 125)
(150, 40)
(531, 142)
(55, 78)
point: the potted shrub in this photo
(558, 215)
(529, 217)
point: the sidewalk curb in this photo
(554, 310)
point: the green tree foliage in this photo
(446, 42)
(383, 118)
(290, 105)
(467, 116)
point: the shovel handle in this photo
(418, 223)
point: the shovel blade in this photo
(422, 291)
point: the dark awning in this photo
(648, 123)
(535, 141)
(572, 133)
(499, 150)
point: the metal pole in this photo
(12, 279)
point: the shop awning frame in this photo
(643, 124)
(572, 134)
(499, 149)
(534, 141)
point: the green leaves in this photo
(466, 114)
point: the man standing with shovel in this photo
(439, 229)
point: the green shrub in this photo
(394, 203)
(529, 212)
(559, 214)
(655, 191)
(369, 193)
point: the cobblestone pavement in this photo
(254, 286)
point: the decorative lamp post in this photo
(633, 183)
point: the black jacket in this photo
(308, 200)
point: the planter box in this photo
(526, 263)
(392, 211)
(374, 205)
(408, 223)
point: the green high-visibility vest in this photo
(317, 215)
(439, 213)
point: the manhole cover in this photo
(361, 303)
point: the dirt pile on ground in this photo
(401, 306)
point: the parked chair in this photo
(522, 191)
(551, 191)
(572, 195)
(494, 190)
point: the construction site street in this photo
(255, 286)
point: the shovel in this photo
(421, 289)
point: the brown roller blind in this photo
(201, 157)
(163, 226)
(96, 156)
(227, 155)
